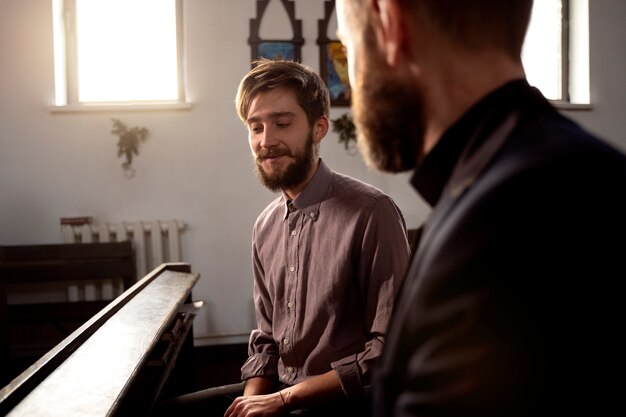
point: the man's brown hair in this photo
(480, 23)
(474, 24)
(310, 90)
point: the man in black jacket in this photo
(510, 306)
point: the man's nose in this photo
(268, 138)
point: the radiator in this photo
(154, 242)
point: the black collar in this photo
(470, 131)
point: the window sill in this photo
(126, 106)
(563, 105)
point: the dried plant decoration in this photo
(128, 143)
(347, 131)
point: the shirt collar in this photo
(432, 175)
(313, 193)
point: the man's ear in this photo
(320, 128)
(389, 28)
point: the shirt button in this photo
(285, 341)
(312, 215)
(290, 304)
(289, 369)
(291, 268)
(293, 233)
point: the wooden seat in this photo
(30, 328)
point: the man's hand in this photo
(257, 400)
(257, 405)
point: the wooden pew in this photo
(31, 328)
(121, 360)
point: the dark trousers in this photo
(210, 402)
(213, 402)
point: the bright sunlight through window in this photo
(116, 51)
(542, 48)
(126, 50)
(560, 70)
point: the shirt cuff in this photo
(349, 376)
(260, 364)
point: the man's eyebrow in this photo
(271, 116)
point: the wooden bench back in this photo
(38, 266)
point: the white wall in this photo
(196, 164)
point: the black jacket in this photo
(512, 304)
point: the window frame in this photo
(66, 68)
(570, 48)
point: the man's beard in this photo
(295, 173)
(388, 117)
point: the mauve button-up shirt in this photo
(326, 269)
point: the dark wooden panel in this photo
(55, 312)
(39, 265)
(64, 252)
(63, 271)
(57, 262)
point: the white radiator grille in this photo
(154, 242)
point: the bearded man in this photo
(328, 257)
(510, 305)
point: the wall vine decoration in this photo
(128, 143)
